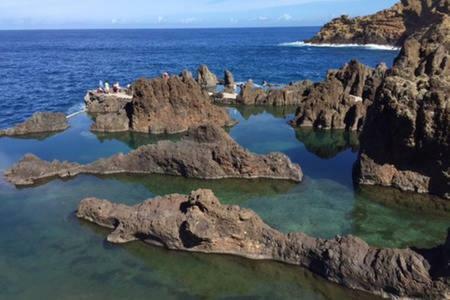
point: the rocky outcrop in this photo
(207, 79)
(229, 82)
(292, 94)
(340, 101)
(200, 223)
(112, 122)
(101, 103)
(172, 106)
(406, 139)
(388, 27)
(206, 152)
(157, 106)
(41, 122)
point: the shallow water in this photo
(47, 253)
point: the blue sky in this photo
(53, 14)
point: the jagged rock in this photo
(112, 122)
(101, 103)
(206, 152)
(340, 101)
(406, 139)
(388, 27)
(156, 106)
(207, 79)
(200, 223)
(229, 80)
(41, 122)
(292, 94)
(173, 106)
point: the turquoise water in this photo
(45, 252)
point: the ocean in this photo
(52, 70)
(47, 253)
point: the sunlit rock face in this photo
(388, 27)
(158, 105)
(200, 223)
(206, 152)
(42, 122)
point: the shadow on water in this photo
(280, 112)
(135, 139)
(327, 144)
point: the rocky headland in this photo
(406, 139)
(200, 223)
(158, 105)
(388, 27)
(206, 152)
(41, 122)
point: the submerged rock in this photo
(406, 139)
(200, 223)
(206, 152)
(41, 122)
(388, 27)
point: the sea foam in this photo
(362, 46)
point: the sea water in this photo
(46, 252)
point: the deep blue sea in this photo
(51, 70)
(47, 253)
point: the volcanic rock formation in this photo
(406, 139)
(200, 223)
(206, 152)
(207, 79)
(41, 122)
(388, 27)
(340, 101)
(159, 106)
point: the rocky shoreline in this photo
(405, 142)
(41, 122)
(206, 152)
(388, 27)
(200, 223)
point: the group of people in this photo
(106, 87)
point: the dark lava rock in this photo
(101, 103)
(156, 106)
(388, 27)
(406, 139)
(229, 82)
(173, 106)
(200, 223)
(206, 152)
(41, 122)
(206, 78)
(340, 101)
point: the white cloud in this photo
(286, 17)
(263, 18)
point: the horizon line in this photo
(157, 28)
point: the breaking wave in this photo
(362, 46)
